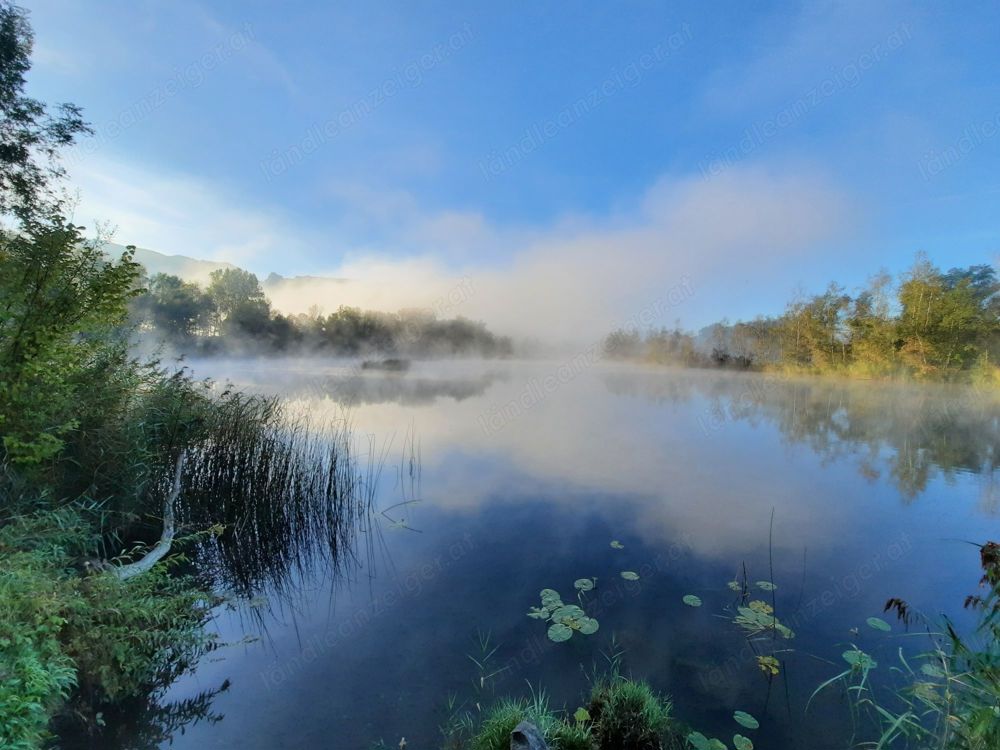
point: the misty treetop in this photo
(927, 324)
(232, 315)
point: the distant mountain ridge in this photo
(199, 270)
(187, 268)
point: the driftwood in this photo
(162, 547)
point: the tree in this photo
(60, 297)
(62, 300)
(175, 307)
(240, 304)
(30, 134)
(872, 329)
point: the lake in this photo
(499, 479)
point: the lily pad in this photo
(768, 665)
(615, 544)
(765, 586)
(559, 632)
(581, 715)
(745, 720)
(691, 600)
(735, 586)
(588, 625)
(628, 575)
(786, 632)
(859, 659)
(879, 624)
(698, 741)
(539, 613)
(742, 743)
(584, 584)
(567, 613)
(550, 597)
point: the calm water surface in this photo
(524, 473)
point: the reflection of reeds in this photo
(289, 497)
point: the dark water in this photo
(525, 473)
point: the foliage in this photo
(940, 325)
(233, 315)
(62, 301)
(30, 134)
(177, 309)
(60, 630)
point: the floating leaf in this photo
(698, 741)
(763, 607)
(765, 586)
(742, 743)
(714, 744)
(539, 613)
(735, 585)
(768, 665)
(745, 720)
(755, 621)
(615, 544)
(584, 584)
(567, 614)
(879, 624)
(785, 631)
(549, 596)
(559, 632)
(691, 600)
(581, 715)
(858, 659)
(628, 575)
(588, 625)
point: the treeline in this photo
(232, 315)
(926, 324)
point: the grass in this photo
(621, 714)
(628, 714)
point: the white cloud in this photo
(572, 279)
(180, 214)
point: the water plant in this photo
(945, 697)
(564, 619)
(700, 742)
(758, 617)
(745, 720)
(879, 624)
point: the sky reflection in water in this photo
(875, 490)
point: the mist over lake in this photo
(479, 376)
(875, 489)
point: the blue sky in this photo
(575, 160)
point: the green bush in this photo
(94, 637)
